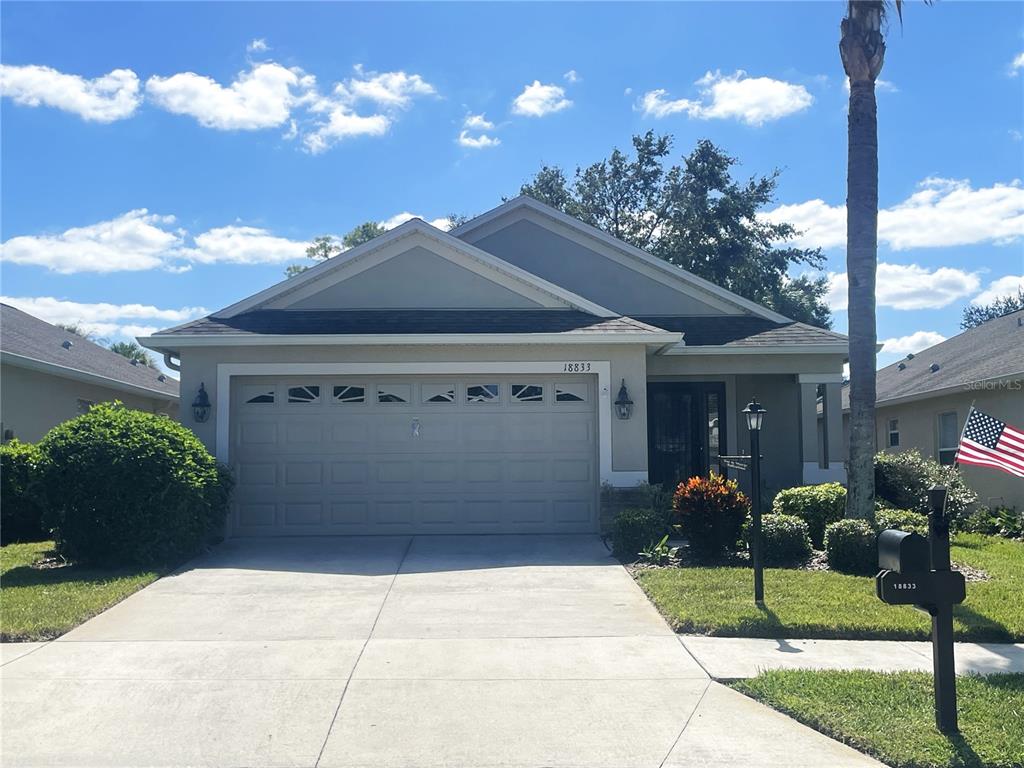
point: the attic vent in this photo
(901, 366)
(67, 344)
(910, 355)
(161, 377)
(933, 367)
(134, 362)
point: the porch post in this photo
(834, 414)
(814, 470)
(808, 425)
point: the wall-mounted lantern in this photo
(201, 405)
(623, 405)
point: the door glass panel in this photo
(394, 393)
(348, 393)
(482, 393)
(306, 394)
(713, 426)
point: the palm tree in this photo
(133, 351)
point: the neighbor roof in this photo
(989, 351)
(27, 341)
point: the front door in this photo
(685, 429)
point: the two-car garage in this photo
(343, 454)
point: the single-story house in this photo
(467, 381)
(49, 375)
(923, 400)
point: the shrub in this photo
(635, 529)
(901, 520)
(131, 488)
(997, 521)
(903, 480)
(816, 505)
(21, 509)
(710, 512)
(851, 547)
(785, 539)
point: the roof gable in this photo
(421, 267)
(637, 281)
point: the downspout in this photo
(174, 366)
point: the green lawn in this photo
(39, 604)
(891, 716)
(823, 604)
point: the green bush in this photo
(851, 547)
(996, 521)
(710, 513)
(635, 529)
(127, 487)
(901, 520)
(21, 509)
(785, 538)
(816, 505)
(903, 480)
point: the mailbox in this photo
(903, 552)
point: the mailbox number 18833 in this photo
(581, 367)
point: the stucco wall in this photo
(32, 402)
(629, 438)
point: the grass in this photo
(824, 604)
(40, 604)
(890, 715)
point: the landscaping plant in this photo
(127, 487)
(995, 521)
(710, 512)
(785, 539)
(21, 513)
(901, 520)
(851, 547)
(903, 480)
(634, 529)
(658, 553)
(816, 505)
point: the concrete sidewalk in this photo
(732, 658)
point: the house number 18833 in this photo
(576, 367)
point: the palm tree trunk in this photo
(863, 51)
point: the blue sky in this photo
(162, 159)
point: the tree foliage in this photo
(695, 215)
(133, 351)
(975, 316)
(326, 246)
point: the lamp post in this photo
(754, 414)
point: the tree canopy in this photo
(133, 351)
(695, 215)
(975, 316)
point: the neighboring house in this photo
(466, 381)
(924, 399)
(49, 375)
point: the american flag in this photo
(989, 442)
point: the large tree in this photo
(695, 215)
(1004, 305)
(325, 246)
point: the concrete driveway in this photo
(432, 651)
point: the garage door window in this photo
(527, 393)
(304, 394)
(574, 392)
(438, 393)
(259, 395)
(482, 393)
(347, 393)
(394, 393)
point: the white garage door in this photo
(419, 454)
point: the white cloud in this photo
(477, 142)
(259, 45)
(262, 97)
(1017, 64)
(477, 123)
(751, 100)
(915, 342)
(1001, 288)
(572, 76)
(942, 212)
(238, 244)
(113, 96)
(400, 218)
(133, 241)
(538, 100)
(909, 286)
(387, 89)
(343, 123)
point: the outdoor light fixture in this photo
(201, 405)
(755, 415)
(623, 405)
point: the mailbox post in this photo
(943, 664)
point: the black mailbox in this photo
(903, 552)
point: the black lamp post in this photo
(201, 405)
(755, 417)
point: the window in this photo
(894, 433)
(348, 393)
(527, 393)
(259, 395)
(949, 437)
(438, 393)
(85, 405)
(482, 393)
(394, 393)
(571, 392)
(305, 394)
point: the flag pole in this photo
(956, 459)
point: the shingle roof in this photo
(741, 331)
(28, 336)
(407, 322)
(985, 352)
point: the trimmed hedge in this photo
(785, 538)
(816, 505)
(710, 512)
(851, 547)
(21, 510)
(634, 529)
(128, 487)
(903, 479)
(901, 520)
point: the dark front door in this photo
(685, 429)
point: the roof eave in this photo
(86, 377)
(766, 349)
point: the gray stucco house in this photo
(465, 381)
